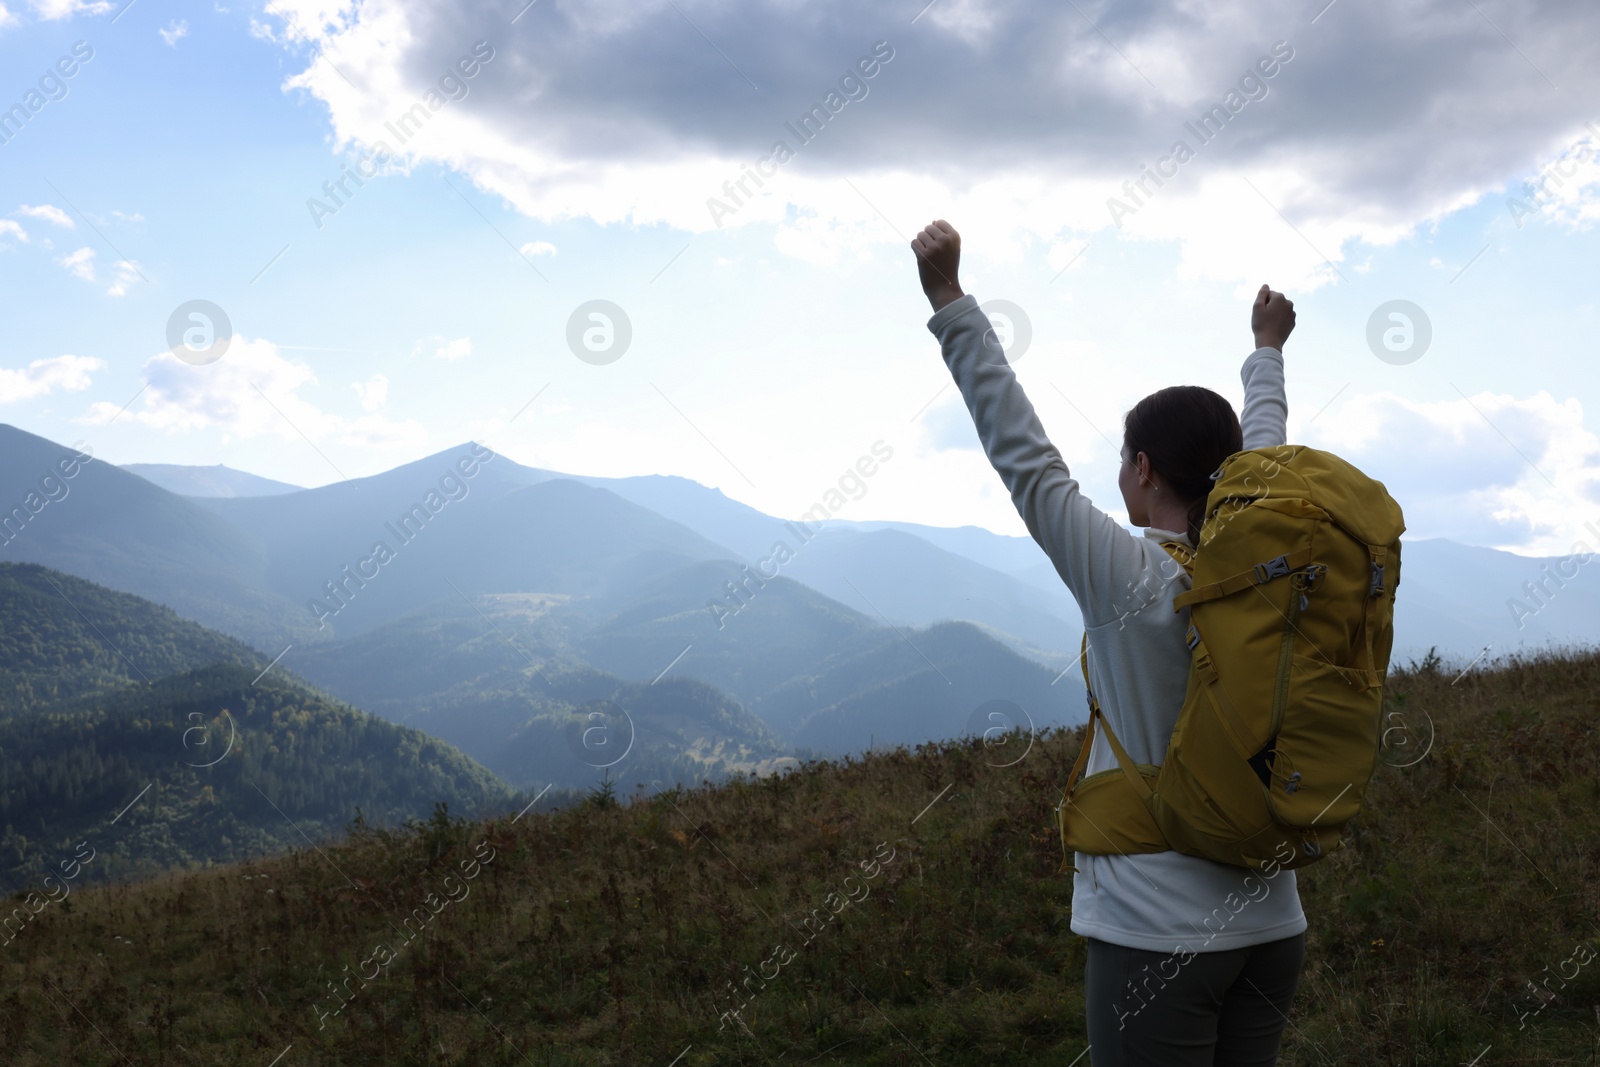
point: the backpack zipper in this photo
(1280, 695)
(1301, 582)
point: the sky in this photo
(568, 230)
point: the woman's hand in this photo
(938, 250)
(1271, 319)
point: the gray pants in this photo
(1217, 1009)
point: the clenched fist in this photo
(1271, 318)
(938, 250)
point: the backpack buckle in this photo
(1375, 587)
(1192, 637)
(1272, 568)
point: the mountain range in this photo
(418, 592)
(1458, 598)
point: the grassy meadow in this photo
(899, 908)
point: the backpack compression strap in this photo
(1260, 573)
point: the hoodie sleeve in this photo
(1094, 554)
(1266, 410)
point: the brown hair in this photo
(1187, 431)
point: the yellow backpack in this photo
(1291, 624)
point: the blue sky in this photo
(769, 352)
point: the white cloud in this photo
(127, 274)
(460, 348)
(43, 376)
(373, 393)
(963, 18)
(1565, 188)
(1356, 138)
(7, 18)
(251, 391)
(175, 31)
(51, 10)
(49, 213)
(538, 248)
(1489, 469)
(80, 263)
(13, 229)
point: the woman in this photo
(1186, 966)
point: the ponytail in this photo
(1197, 518)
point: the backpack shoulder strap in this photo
(1180, 552)
(1124, 761)
(1185, 557)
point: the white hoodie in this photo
(1138, 662)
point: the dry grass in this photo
(613, 934)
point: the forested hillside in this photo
(156, 743)
(64, 637)
(232, 770)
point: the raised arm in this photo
(1092, 552)
(1266, 408)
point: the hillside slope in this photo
(573, 727)
(215, 480)
(64, 637)
(109, 526)
(906, 687)
(496, 677)
(211, 768)
(108, 701)
(914, 574)
(807, 669)
(900, 909)
(916, 582)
